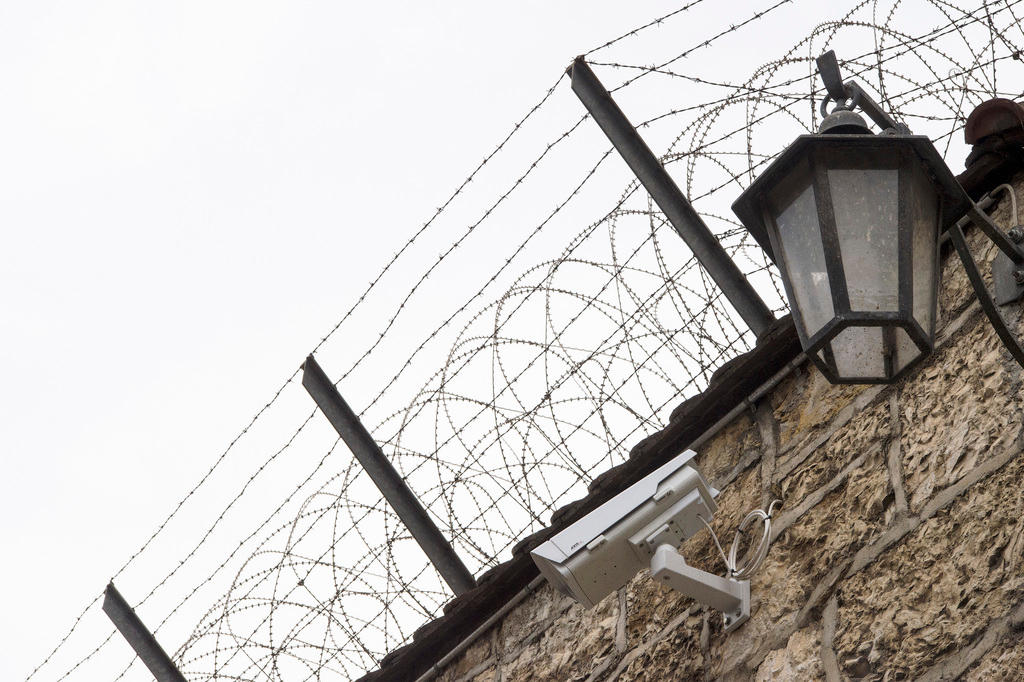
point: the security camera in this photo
(643, 526)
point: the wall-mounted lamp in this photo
(852, 220)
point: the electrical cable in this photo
(1013, 200)
(754, 556)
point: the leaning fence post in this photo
(669, 198)
(139, 637)
(390, 483)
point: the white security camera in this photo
(643, 526)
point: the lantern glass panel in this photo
(866, 207)
(795, 213)
(924, 209)
(853, 222)
(859, 352)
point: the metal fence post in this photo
(669, 198)
(139, 637)
(390, 483)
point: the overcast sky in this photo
(190, 195)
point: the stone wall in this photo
(898, 553)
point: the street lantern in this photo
(852, 220)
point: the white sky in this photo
(191, 194)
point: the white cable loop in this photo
(757, 554)
(1013, 200)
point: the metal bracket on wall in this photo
(1009, 251)
(1008, 262)
(731, 597)
(1007, 279)
(1008, 265)
(839, 91)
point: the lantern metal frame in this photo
(956, 210)
(1007, 271)
(902, 150)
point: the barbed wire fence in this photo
(500, 402)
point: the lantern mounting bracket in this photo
(1008, 265)
(850, 95)
(1004, 271)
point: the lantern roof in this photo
(955, 201)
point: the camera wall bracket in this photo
(731, 597)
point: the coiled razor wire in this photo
(503, 402)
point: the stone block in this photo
(676, 656)
(532, 616)
(803, 555)
(868, 430)
(805, 404)
(721, 454)
(799, 660)
(1004, 663)
(937, 591)
(960, 409)
(571, 646)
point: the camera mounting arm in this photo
(730, 596)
